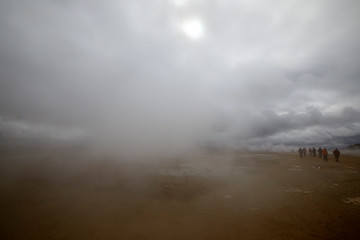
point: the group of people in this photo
(323, 153)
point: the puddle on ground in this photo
(208, 169)
(317, 167)
(352, 200)
(294, 169)
(251, 168)
(296, 190)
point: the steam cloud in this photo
(123, 73)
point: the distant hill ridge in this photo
(353, 147)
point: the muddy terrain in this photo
(68, 194)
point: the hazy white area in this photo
(166, 76)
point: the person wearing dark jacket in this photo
(300, 152)
(314, 152)
(336, 153)
(320, 152)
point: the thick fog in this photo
(165, 76)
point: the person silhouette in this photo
(336, 153)
(325, 154)
(320, 152)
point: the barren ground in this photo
(64, 194)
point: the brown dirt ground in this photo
(217, 195)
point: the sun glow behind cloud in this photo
(180, 3)
(131, 70)
(193, 28)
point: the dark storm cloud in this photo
(269, 122)
(126, 72)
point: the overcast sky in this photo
(167, 74)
